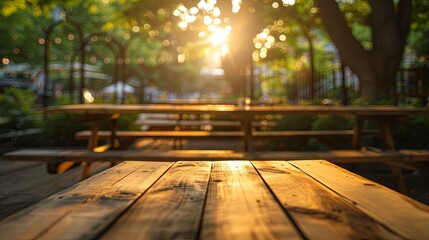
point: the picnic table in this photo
(384, 115)
(310, 199)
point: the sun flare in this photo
(219, 37)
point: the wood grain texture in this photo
(239, 206)
(399, 213)
(318, 211)
(84, 210)
(171, 209)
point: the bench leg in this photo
(86, 173)
(114, 140)
(175, 144)
(390, 145)
(59, 167)
(398, 178)
(246, 124)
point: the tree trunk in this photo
(236, 64)
(375, 67)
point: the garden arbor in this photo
(118, 48)
(120, 52)
(47, 41)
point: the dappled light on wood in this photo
(235, 165)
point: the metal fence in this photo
(411, 85)
(325, 84)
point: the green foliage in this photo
(413, 134)
(153, 37)
(9, 7)
(19, 40)
(126, 122)
(418, 43)
(325, 122)
(291, 123)
(413, 102)
(321, 122)
(360, 102)
(59, 130)
(295, 123)
(16, 106)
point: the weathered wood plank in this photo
(315, 209)
(239, 206)
(84, 210)
(399, 213)
(171, 209)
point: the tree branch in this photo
(350, 49)
(404, 18)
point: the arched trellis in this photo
(83, 42)
(121, 60)
(124, 50)
(81, 47)
(110, 41)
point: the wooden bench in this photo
(309, 199)
(219, 123)
(84, 135)
(325, 136)
(148, 124)
(20, 133)
(404, 158)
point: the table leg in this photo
(357, 132)
(246, 124)
(387, 135)
(390, 145)
(177, 142)
(92, 144)
(93, 140)
(114, 140)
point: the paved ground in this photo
(24, 183)
(417, 183)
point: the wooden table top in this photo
(374, 110)
(310, 199)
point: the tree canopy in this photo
(165, 39)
